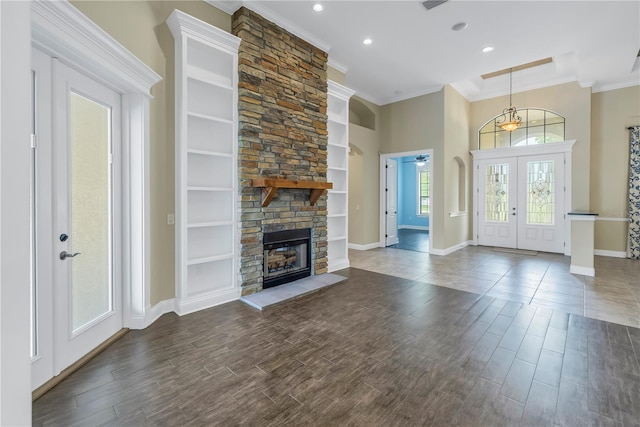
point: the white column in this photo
(582, 243)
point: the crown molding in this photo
(613, 86)
(482, 95)
(337, 65)
(180, 22)
(269, 14)
(404, 96)
(59, 29)
(228, 6)
(339, 90)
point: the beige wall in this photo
(364, 179)
(417, 124)
(140, 27)
(335, 75)
(457, 112)
(569, 100)
(611, 113)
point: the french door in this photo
(76, 279)
(521, 202)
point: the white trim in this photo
(383, 160)
(414, 227)
(583, 271)
(600, 218)
(611, 254)
(182, 23)
(208, 300)
(337, 65)
(229, 6)
(409, 95)
(458, 213)
(613, 86)
(339, 265)
(366, 247)
(158, 310)
(418, 171)
(525, 150)
(452, 249)
(339, 91)
(589, 218)
(59, 29)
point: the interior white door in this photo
(87, 288)
(498, 201)
(76, 302)
(391, 205)
(541, 202)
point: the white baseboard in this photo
(583, 271)
(364, 247)
(414, 227)
(163, 307)
(337, 265)
(612, 254)
(151, 314)
(452, 249)
(208, 300)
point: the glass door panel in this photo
(91, 278)
(540, 192)
(497, 192)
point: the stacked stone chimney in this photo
(282, 104)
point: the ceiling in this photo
(414, 51)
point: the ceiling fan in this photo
(420, 160)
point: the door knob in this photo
(64, 255)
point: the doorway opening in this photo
(406, 183)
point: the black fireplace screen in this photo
(287, 256)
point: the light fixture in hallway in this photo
(510, 120)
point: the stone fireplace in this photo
(282, 105)
(287, 256)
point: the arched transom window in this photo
(538, 127)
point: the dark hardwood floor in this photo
(374, 350)
(412, 240)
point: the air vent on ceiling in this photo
(430, 4)
(518, 68)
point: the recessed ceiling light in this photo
(318, 7)
(367, 41)
(460, 26)
(487, 49)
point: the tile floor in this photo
(412, 240)
(542, 280)
(374, 350)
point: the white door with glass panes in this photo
(76, 280)
(521, 202)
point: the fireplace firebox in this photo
(287, 256)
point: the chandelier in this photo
(510, 120)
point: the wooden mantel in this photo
(270, 188)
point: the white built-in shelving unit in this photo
(338, 173)
(206, 69)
